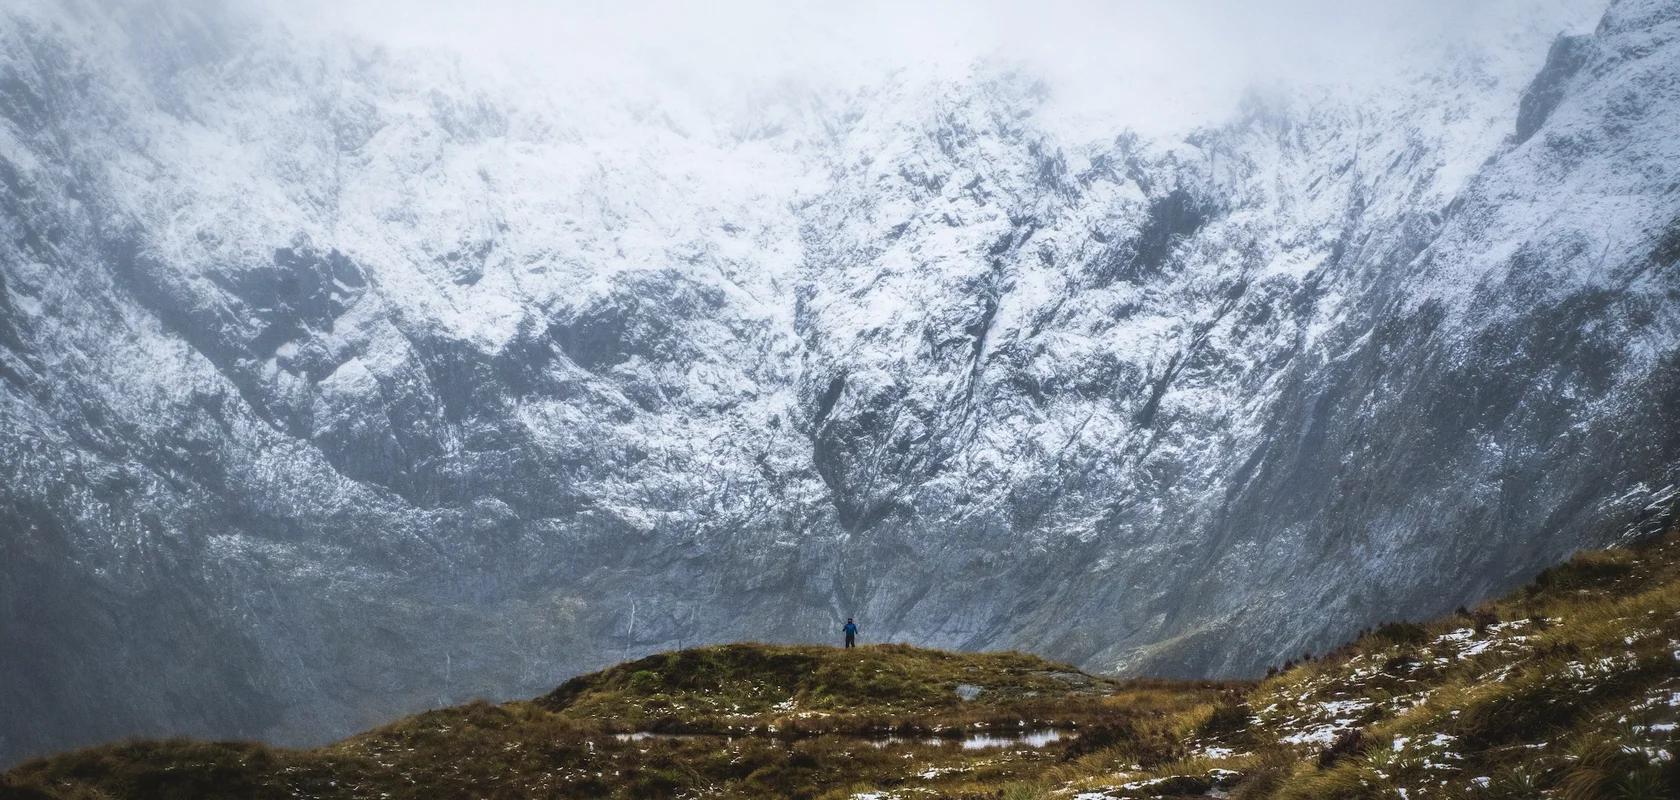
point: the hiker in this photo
(851, 632)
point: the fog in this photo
(1165, 62)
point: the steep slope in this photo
(1570, 687)
(339, 382)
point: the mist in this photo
(362, 357)
(1152, 64)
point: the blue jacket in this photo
(851, 629)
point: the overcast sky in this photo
(1145, 55)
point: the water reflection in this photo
(973, 741)
(979, 741)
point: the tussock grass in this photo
(1547, 692)
(1567, 689)
(745, 720)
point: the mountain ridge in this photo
(301, 352)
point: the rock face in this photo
(338, 382)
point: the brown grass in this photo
(1557, 698)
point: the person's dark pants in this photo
(851, 640)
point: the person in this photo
(851, 632)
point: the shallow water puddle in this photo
(980, 741)
(1030, 739)
(976, 741)
(642, 736)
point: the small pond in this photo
(981, 741)
(973, 741)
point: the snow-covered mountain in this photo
(339, 381)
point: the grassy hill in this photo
(1568, 689)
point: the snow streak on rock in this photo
(339, 382)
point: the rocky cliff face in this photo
(338, 382)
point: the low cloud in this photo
(1140, 59)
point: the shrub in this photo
(1129, 741)
(1347, 745)
(1181, 785)
(644, 681)
(1402, 633)
(1645, 784)
(1585, 571)
(1228, 722)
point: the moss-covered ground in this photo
(1569, 689)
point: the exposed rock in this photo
(338, 382)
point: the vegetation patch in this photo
(1568, 689)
